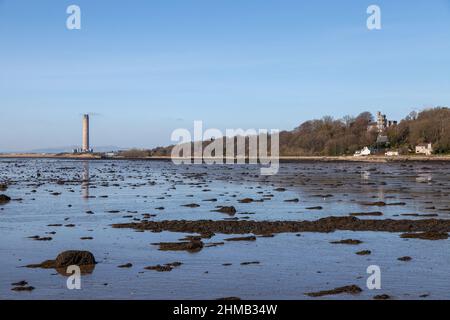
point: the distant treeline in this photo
(429, 126)
(335, 137)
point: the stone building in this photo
(381, 123)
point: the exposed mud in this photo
(430, 228)
(27, 288)
(428, 235)
(190, 246)
(347, 241)
(164, 268)
(228, 210)
(250, 238)
(382, 297)
(352, 289)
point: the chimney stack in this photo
(85, 146)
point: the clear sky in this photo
(145, 68)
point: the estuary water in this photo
(74, 203)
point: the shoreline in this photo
(369, 159)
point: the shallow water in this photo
(62, 191)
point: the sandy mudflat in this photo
(161, 231)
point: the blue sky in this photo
(145, 68)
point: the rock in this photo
(4, 199)
(352, 289)
(127, 265)
(406, 258)
(382, 204)
(43, 239)
(347, 241)
(375, 204)
(382, 297)
(214, 244)
(365, 214)
(74, 257)
(430, 235)
(191, 205)
(228, 210)
(3, 187)
(191, 246)
(250, 238)
(314, 208)
(246, 200)
(249, 263)
(28, 288)
(164, 268)
(363, 253)
(20, 283)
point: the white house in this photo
(391, 153)
(364, 152)
(424, 148)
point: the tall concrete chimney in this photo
(85, 146)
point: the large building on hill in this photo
(381, 123)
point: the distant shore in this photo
(374, 159)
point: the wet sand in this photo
(160, 231)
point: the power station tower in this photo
(85, 146)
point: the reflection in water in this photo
(380, 193)
(365, 175)
(85, 180)
(84, 270)
(424, 177)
